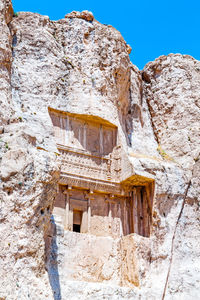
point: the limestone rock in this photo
(85, 15)
(27, 187)
(6, 13)
(77, 66)
(171, 89)
(129, 49)
(173, 99)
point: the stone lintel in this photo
(92, 184)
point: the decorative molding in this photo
(91, 184)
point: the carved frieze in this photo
(92, 184)
(75, 162)
(88, 147)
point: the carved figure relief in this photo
(79, 133)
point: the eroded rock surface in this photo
(6, 13)
(28, 179)
(171, 89)
(80, 66)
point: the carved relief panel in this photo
(83, 134)
(86, 145)
(75, 133)
(109, 140)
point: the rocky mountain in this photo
(79, 67)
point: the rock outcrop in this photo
(77, 65)
(171, 89)
(28, 179)
(6, 13)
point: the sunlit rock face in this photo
(6, 13)
(28, 181)
(99, 164)
(171, 89)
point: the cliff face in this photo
(28, 179)
(171, 89)
(78, 65)
(6, 13)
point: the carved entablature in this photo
(88, 146)
(92, 184)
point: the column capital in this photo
(68, 191)
(89, 195)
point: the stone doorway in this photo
(77, 220)
(100, 214)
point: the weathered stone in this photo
(6, 13)
(85, 15)
(129, 49)
(82, 70)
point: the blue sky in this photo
(151, 27)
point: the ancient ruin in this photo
(92, 198)
(99, 165)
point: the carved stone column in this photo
(89, 196)
(135, 211)
(89, 215)
(145, 215)
(84, 223)
(139, 211)
(68, 213)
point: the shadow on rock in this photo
(52, 259)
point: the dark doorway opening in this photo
(76, 228)
(77, 219)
